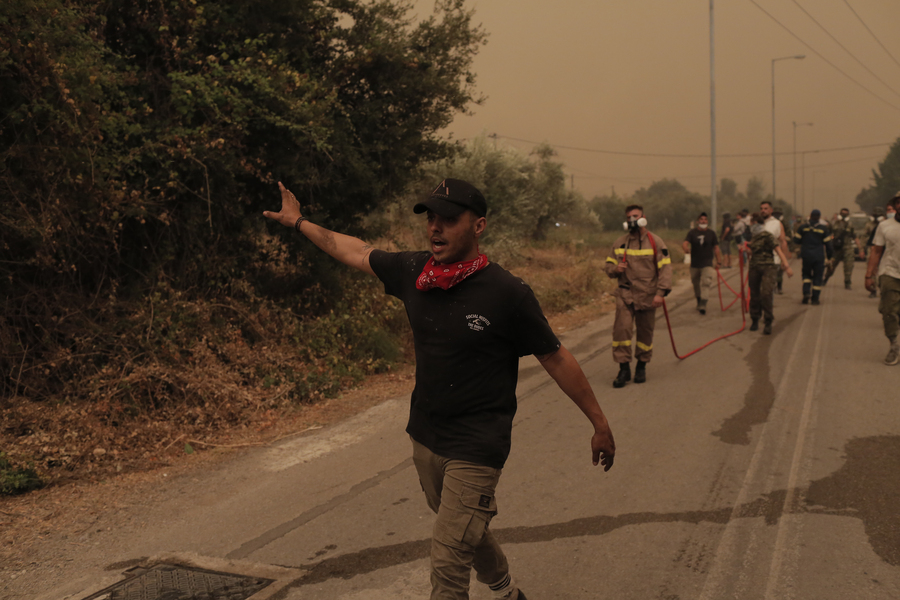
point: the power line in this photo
(660, 155)
(875, 37)
(836, 41)
(819, 54)
(637, 179)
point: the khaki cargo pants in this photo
(889, 306)
(627, 318)
(462, 495)
(702, 280)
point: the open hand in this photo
(603, 447)
(290, 208)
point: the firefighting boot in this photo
(624, 375)
(640, 372)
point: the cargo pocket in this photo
(463, 525)
(482, 508)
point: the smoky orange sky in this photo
(633, 76)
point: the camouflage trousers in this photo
(762, 281)
(889, 306)
(847, 256)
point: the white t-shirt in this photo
(774, 227)
(888, 235)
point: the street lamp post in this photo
(774, 60)
(796, 125)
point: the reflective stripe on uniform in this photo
(645, 252)
(816, 287)
(807, 281)
(828, 239)
(617, 344)
(645, 347)
(665, 261)
(610, 259)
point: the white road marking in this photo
(730, 547)
(307, 448)
(789, 524)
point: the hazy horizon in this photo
(634, 77)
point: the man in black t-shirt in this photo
(702, 245)
(471, 321)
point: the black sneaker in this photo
(640, 373)
(624, 375)
(847, 286)
(754, 324)
(767, 330)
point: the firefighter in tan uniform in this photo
(640, 261)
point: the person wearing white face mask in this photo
(702, 245)
(640, 261)
(884, 259)
(845, 244)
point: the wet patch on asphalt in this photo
(865, 487)
(760, 397)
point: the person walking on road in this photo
(725, 241)
(640, 262)
(471, 321)
(884, 260)
(776, 228)
(702, 245)
(814, 239)
(878, 215)
(845, 243)
(762, 276)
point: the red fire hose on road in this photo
(719, 280)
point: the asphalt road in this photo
(763, 467)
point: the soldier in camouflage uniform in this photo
(845, 242)
(763, 274)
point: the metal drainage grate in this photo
(174, 582)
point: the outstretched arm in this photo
(567, 373)
(351, 251)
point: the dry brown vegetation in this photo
(206, 402)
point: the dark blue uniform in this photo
(815, 243)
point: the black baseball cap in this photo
(452, 197)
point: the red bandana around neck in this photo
(446, 276)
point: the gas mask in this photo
(633, 224)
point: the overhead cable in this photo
(819, 54)
(836, 41)
(875, 37)
(661, 155)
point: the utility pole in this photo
(712, 115)
(796, 124)
(573, 181)
(774, 60)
